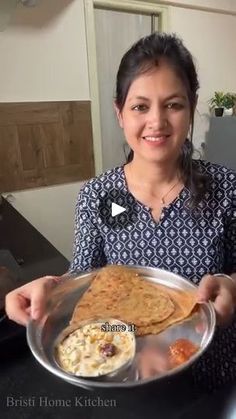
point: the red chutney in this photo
(180, 351)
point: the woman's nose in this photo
(157, 119)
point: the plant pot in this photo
(219, 111)
(228, 112)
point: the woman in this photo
(185, 210)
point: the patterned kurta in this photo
(189, 243)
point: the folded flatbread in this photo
(184, 303)
(118, 292)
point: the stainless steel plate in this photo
(43, 334)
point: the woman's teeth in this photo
(155, 139)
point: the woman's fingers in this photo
(152, 361)
(29, 300)
(145, 369)
(17, 308)
(224, 307)
(39, 294)
(221, 291)
(208, 288)
(38, 298)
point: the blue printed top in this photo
(189, 243)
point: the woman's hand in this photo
(29, 300)
(222, 292)
(152, 361)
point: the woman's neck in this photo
(149, 175)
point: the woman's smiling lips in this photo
(155, 140)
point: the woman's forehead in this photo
(162, 79)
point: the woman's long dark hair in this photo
(139, 59)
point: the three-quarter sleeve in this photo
(230, 241)
(88, 242)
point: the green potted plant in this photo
(229, 103)
(217, 103)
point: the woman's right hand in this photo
(152, 361)
(28, 302)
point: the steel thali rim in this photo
(153, 275)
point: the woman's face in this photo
(156, 115)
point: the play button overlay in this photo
(116, 209)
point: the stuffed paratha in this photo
(118, 292)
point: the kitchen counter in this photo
(27, 255)
(34, 254)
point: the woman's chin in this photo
(158, 158)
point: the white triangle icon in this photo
(116, 209)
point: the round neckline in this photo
(184, 191)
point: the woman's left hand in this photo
(222, 292)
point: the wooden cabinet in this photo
(44, 143)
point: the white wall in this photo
(228, 5)
(44, 57)
(43, 53)
(211, 38)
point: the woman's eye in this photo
(140, 108)
(175, 105)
